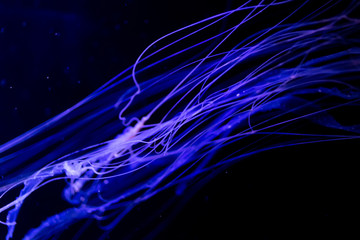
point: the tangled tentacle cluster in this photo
(222, 89)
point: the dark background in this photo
(54, 53)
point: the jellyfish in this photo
(196, 101)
